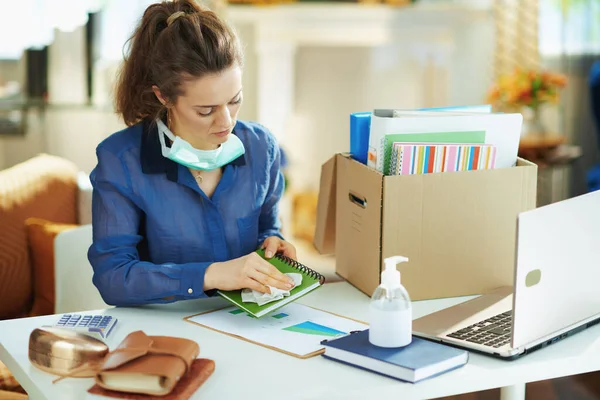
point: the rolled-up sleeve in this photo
(120, 276)
(269, 223)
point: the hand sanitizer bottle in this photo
(390, 309)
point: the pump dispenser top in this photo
(390, 277)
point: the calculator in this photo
(97, 326)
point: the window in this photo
(573, 32)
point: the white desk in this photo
(241, 367)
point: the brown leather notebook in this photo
(200, 371)
(143, 364)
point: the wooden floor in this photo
(579, 387)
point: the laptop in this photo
(555, 289)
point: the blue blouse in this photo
(155, 232)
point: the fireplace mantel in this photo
(352, 24)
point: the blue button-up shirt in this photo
(155, 232)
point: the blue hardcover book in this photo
(419, 360)
(360, 125)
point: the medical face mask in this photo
(204, 160)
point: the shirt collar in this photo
(152, 160)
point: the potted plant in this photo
(527, 91)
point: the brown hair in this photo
(166, 51)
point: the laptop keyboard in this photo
(494, 331)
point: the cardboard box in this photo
(458, 229)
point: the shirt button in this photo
(190, 291)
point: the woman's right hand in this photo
(250, 271)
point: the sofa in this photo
(39, 199)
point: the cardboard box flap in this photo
(324, 239)
(528, 183)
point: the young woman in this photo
(185, 195)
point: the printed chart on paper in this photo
(294, 328)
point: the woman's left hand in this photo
(274, 245)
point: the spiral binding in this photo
(301, 267)
(393, 169)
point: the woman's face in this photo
(205, 114)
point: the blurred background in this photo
(309, 64)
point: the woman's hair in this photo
(175, 41)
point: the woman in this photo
(185, 195)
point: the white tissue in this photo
(254, 296)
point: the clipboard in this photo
(352, 321)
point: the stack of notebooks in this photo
(424, 141)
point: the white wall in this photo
(331, 83)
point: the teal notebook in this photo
(468, 137)
(311, 280)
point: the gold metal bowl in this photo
(59, 351)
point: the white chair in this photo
(73, 273)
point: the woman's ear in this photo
(159, 95)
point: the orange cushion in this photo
(43, 187)
(40, 237)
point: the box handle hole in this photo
(357, 199)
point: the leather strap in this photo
(129, 354)
(87, 366)
(141, 352)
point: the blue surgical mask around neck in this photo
(182, 152)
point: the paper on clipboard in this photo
(295, 329)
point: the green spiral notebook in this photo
(311, 280)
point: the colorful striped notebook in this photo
(413, 158)
(430, 138)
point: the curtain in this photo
(517, 41)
